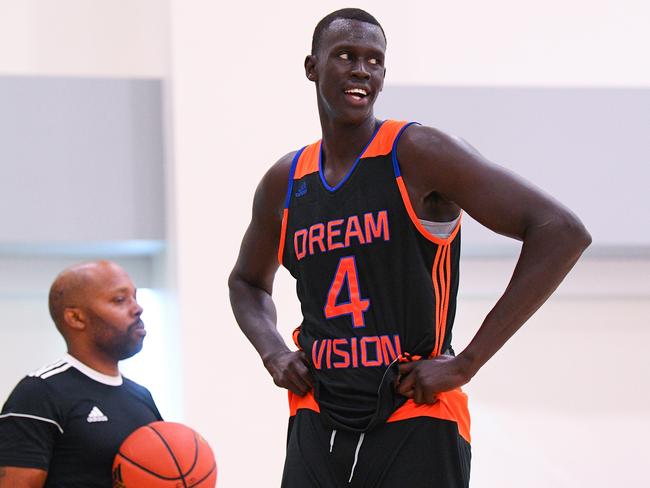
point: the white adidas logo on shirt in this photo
(96, 415)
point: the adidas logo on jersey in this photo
(302, 189)
(96, 415)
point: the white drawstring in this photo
(332, 440)
(356, 455)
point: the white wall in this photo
(240, 101)
(123, 38)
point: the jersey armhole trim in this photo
(33, 417)
(407, 200)
(287, 200)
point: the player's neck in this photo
(342, 143)
(95, 360)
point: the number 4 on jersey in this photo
(347, 271)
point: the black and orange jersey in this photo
(373, 284)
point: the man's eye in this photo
(119, 299)
(345, 56)
(373, 61)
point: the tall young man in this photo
(368, 222)
(63, 424)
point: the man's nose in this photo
(360, 70)
(137, 309)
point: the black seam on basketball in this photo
(214, 466)
(196, 455)
(171, 454)
(147, 470)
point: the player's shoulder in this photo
(425, 152)
(431, 140)
(272, 189)
(280, 170)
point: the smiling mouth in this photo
(357, 93)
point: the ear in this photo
(74, 318)
(310, 67)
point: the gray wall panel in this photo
(590, 148)
(80, 160)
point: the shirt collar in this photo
(94, 374)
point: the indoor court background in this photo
(138, 129)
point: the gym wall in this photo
(557, 92)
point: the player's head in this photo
(94, 307)
(347, 63)
(342, 14)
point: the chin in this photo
(130, 351)
(355, 116)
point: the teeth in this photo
(357, 91)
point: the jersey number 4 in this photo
(356, 306)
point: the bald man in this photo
(62, 425)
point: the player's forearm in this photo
(14, 477)
(256, 315)
(547, 255)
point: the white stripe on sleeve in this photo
(35, 417)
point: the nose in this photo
(360, 70)
(137, 309)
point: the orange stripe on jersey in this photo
(416, 221)
(296, 402)
(444, 293)
(283, 233)
(382, 143)
(446, 266)
(308, 161)
(451, 405)
(436, 291)
(294, 336)
(441, 277)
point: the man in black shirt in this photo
(62, 425)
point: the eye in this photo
(119, 299)
(344, 55)
(373, 61)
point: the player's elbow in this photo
(235, 281)
(574, 233)
(243, 283)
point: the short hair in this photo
(344, 13)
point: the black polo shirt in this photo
(70, 420)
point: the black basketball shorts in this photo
(421, 452)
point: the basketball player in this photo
(368, 222)
(63, 424)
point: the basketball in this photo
(164, 455)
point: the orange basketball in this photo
(164, 455)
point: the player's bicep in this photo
(494, 196)
(15, 477)
(257, 262)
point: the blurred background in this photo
(137, 130)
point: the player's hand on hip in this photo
(421, 380)
(290, 370)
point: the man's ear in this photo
(310, 67)
(74, 318)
